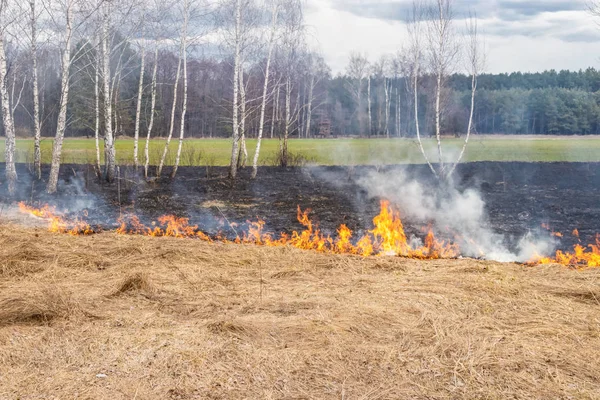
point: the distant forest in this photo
(543, 103)
(548, 103)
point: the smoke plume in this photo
(461, 213)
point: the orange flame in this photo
(56, 222)
(580, 257)
(387, 237)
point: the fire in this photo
(580, 257)
(56, 222)
(387, 237)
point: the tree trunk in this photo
(152, 108)
(138, 110)
(283, 147)
(302, 120)
(37, 153)
(370, 128)
(387, 108)
(236, 72)
(185, 88)
(417, 128)
(359, 98)
(172, 124)
(97, 127)
(7, 120)
(109, 145)
(470, 125)
(243, 155)
(64, 97)
(275, 111)
(263, 106)
(438, 117)
(398, 116)
(309, 106)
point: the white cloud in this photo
(556, 39)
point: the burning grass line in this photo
(388, 236)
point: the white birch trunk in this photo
(387, 107)
(241, 163)
(477, 61)
(7, 120)
(275, 111)
(37, 153)
(152, 108)
(438, 133)
(311, 89)
(288, 123)
(263, 106)
(370, 130)
(302, 119)
(236, 71)
(398, 115)
(416, 101)
(470, 125)
(64, 97)
(97, 127)
(185, 87)
(138, 110)
(109, 145)
(172, 124)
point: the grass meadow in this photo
(216, 152)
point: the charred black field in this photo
(519, 197)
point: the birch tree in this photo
(387, 90)
(7, 115)
(357, 70)
(240, 35)
(243, 152)
(292, 45)
(318, 71)
(69, 11)
(97, 109)
(184, 34)
(138, 110)
(157, 26)
(476, 63)
(172, 119)
(261, 124)
(443, 52)
(152, 112)
(236, 71)
(109, 145)
(415, 59)
(37, 133)
(311, 90)
(369, 112)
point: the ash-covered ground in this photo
(518, 197)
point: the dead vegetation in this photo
(123, 317)
(37, 307)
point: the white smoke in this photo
(448, 209)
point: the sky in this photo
(520, 35)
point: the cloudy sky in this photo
(520, 35)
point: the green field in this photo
(216, 152)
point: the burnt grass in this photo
(519, 196)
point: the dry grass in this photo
(183, 319)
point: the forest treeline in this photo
(548, 103)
